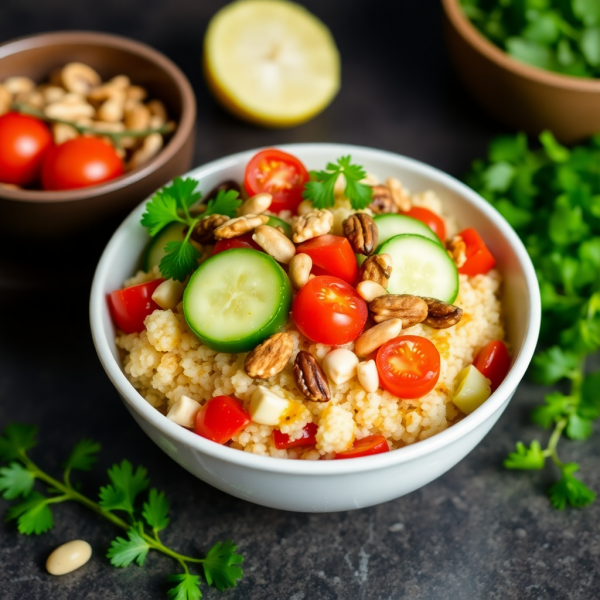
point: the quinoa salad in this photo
(330, 316)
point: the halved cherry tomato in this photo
(372, 444)
(221, 418)
(24, 141)
(242, 241)
(433, 221)
(329, 311)
(282, 440)
(278, 173)
(331, 255)
(80, 162)
(479, 258)
(408, 366)
(493, 362)
(131, 305)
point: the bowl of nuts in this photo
(90, 124)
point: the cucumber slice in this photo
(237, 299)
(277, 222)
(156, 248)
(392, 224)
(420, 267)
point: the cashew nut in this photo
(256, 204)
(79, 78)
(150, 148)
(274, 243)
(63, 133)
(5, 99)
(70, 108)
(19, 85)
(111, 110)
(299, 270)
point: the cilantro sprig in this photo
(172, 204)
(320, 189)
(551, 196)
(33, 513)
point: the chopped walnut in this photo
(312, 224)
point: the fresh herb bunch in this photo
(320, 189)
(556, 35)
(172, 204)
(551, 196)
(142, 524)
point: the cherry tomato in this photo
(24, 141)
(242, 241)
(79, 163)
(408, 366)
(493, 362)
(278, 173)
(372, 444)
(221, 418)
(131, 305)
(331, 255)
(433, 221)
(329, 311)
(282, 440)
(479, 258)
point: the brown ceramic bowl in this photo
(524, 97)
(51, 214)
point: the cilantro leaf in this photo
(555, 151)
(126, 485)
(17, 438)
(498, 176)
(320, 190)
(556, 406)
(123, 552)
(579, 428)
(225, 203)
(161, 211)
(15, 481)
(180, 260)
(183, 191)
(554, 364)
(33, 514)
(83, 455)
(221, 566)
(156, 509)
(570, 490)
(187, 588)
(526, 458)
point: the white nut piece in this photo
(137, 117)
(19, 85)
(79, 78)
(256, 204)
(299, 271)
(112, 109)
(274, 243)
(266, 407)
(184, 412)
(368, 376)
(157, 109)
(378, 335)
(305, 207)
(168, 294)
(52, 93)
(340, 365)
(61, 132)
(5, 100)
(150, 148)
(70, 108)
(368, 290)
(68, 557)
(136, 93)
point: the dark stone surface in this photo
(477, 532)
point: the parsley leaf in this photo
(320, 190)
(180, 260)
(579, 428)
(221, 565)
(554, 364)
(556, 406)
(187, 588)
(15, 481)
(183, 191)
(83, 456)
(15, 439)
(526, 458)
(225, 203)
(162, 210)
(33, 514)
(156, 509)
(126, 485)
(123, 552)
(570, 490)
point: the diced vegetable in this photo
(168, 294)
(221, 418)
(493, 362)
(331, 255)
(236, 299)
(429, 218)
(130, 306)
(155, 250)
(372, 444)
(479, 258)
(472, 389)
(421, 267)
(282, 440)
(184, 412)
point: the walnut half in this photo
(270, 357)
(441, 315)
(310, 379)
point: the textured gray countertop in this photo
(477, 532)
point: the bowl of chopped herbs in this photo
(533, 64)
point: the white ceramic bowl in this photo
(325, 486)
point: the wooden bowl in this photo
(38, 213)
(525, 97)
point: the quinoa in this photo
(167, 361)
